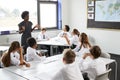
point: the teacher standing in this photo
(25, 27)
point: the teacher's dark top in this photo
(26, 33)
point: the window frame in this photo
(48, 2)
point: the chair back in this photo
(104, 76)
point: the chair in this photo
(104, 76)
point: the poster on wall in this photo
(103, 14)
(90, 3)
(90, 9)
(107, 10)
(90, 16)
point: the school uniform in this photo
(69, 72)
(42, 36)
(62, 33)
(15, 58)
(32, 55)
(82, 51)
(74, 41)
(93, 67)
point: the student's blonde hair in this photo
(69, 56)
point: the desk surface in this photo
(43, 70)
(39, 70)
(3, 48)
(6, 75)
(54, 41)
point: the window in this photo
(10, 13)
(49, 13)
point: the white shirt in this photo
(74, 40)
(42, 36)
(69, 72)
(93, 67)
(32, 55)
(82, 51)
(15, 58)
(62, 34)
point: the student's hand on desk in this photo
(27, 64)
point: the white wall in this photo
(74, 13)
(108, 40)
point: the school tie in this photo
(43, 36)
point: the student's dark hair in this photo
(6, 57)
(95, 51)
(67, 28)
(24, 14)
(69, 56)
(75, 31)
(43, 29)
(84, 41)
(31, 41)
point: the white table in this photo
(54, 42)
(3, 48)
(45, 69)
(7, 75)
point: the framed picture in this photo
(90, 16)
(90, 3)
(90, 9)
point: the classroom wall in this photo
(108, 40)
(74, 13)
(7, 39)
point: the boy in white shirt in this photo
(71, 70)
(62, 37)
(92, 64)
(43, 36)
(32, 54)
(65, 32)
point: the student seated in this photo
(71, 70)
(84, 45)
(61, 37)
(92, 64)
(42, 35)
(32, 54)
(14, 56)
(65, 31)
(74, 40)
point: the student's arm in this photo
(22, 61)
(21, 56)
(85, 65)
(68, 41)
